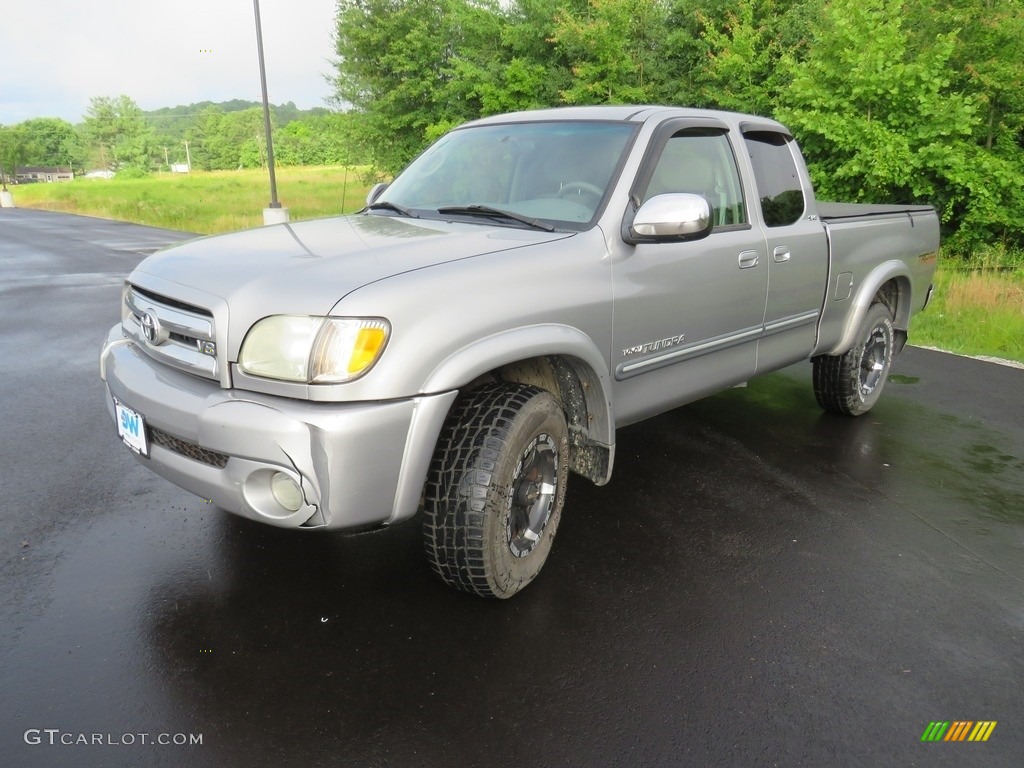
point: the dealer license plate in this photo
(131, 427)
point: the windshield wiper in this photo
(488, 211)
(388, 205)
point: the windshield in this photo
(554, 172)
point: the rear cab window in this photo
(777, 177)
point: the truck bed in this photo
(861, 236)
(838, 211)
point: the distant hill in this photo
(173, 122)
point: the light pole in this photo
(274, 214)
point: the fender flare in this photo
(516, 344)
(869, 288)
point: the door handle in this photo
(781, 254)
(749, 259)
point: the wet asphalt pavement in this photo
(760, 584)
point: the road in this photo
(759, 585)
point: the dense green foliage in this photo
(40, 141)
(117, 134)
(892, 101)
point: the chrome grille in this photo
(171, 331)
(187, 449)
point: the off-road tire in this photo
(495, 489)
(850, 384)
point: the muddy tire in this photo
(495, 489)
(851, 384)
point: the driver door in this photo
(688, 315)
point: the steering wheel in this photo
(579, 186)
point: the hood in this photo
(307, 267)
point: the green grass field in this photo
(206, 203)
(973, 313)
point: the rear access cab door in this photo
(796, 246)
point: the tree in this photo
(740, 47)
(118, 134)
(53, 142)
(247, 133)
(986, 61)
(481, 75)
(12, 153)
(394, 57)
(411, 69)
(210, 148)
(614, 47)
(317, 140)
(537, 71)
(226, 140)
(880, 120)
(986, 65)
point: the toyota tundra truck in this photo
(480, 330)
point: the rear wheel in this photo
(496, 488)
(851, 383)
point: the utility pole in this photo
(167, 160)
(274, 214)
(188, 157)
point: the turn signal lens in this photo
(369, 343)
(346, 348)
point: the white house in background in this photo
(180, 168)
(99, 175)
(45, 174)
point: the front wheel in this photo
(496, 488)
(850, 384)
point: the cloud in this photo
(60, 53)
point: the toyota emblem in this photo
(150, 328)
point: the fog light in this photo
(286, 491)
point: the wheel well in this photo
(893, 295)
(581, 395)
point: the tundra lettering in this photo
(654, 346)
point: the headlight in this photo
(313, 350)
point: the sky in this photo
(57, 54)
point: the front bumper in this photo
(358, 464)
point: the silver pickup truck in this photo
(527, 285)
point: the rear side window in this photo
(777, 178)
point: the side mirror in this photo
(375, 191)
(674, 217)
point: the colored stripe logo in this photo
(959, 730)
